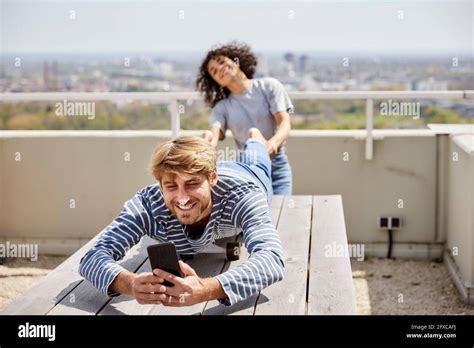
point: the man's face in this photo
(188, 196)
(222, 69)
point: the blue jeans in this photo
(281, 174)
(275, 175)
(255, 156)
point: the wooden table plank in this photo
(42, 297)
(331, 289)
(87, 300)
(289, 296)
(275, 209)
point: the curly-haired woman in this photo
(239, 102)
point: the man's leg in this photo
(281, 174)
(255, 155)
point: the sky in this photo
(395, 27)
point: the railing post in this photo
(175, 124)
(369, 125)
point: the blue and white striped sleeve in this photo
(265, 265)
(99, 265)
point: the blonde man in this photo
(196, 201)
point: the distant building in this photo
(262, 66)
(303, 64)
(290, 64)
(50, 79)
(429, 84)
(45, 76)
(55, 79)
(289, 57)
(308, 84)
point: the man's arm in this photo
(265, 265)
(123, 283)
(99, 264)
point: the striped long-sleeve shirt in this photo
(239, 202)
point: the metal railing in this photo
(172, 98)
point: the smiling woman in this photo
(240, 102)
(233, 54)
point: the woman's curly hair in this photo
(246, 59)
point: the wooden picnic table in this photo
(314, 283)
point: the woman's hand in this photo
(272, 148)
(208, 136)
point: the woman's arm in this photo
(282, 119)
(213, 135)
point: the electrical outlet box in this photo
(388, 222)
(384, 222)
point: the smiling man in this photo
(196, 201)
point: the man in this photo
(196, 201)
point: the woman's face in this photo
(222, 69)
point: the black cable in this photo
(390, 243)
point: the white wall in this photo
(89, 167)
(460, 207)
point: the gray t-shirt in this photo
(253, 108)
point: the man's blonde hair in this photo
(190, 155)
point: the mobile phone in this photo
(164, 256)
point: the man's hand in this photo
(186, 291)
(147, 288)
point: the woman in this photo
(240, 102)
